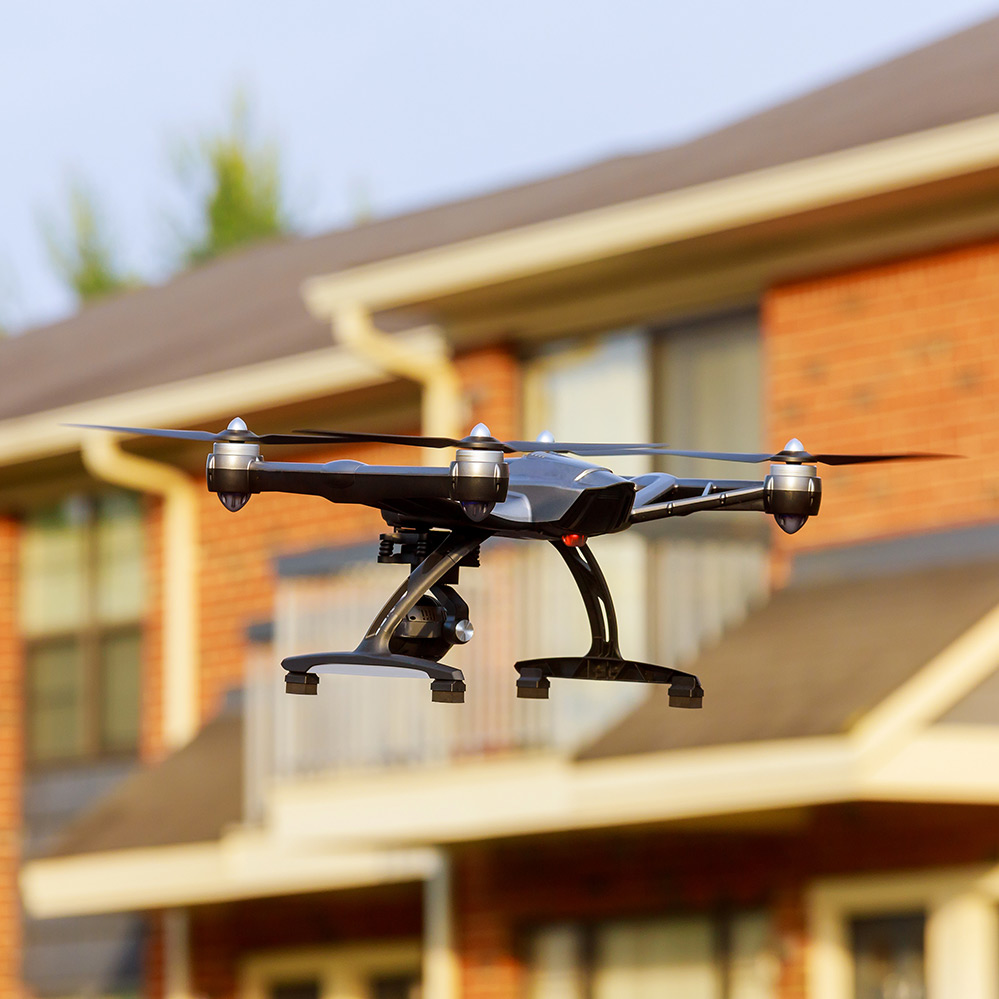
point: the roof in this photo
(813, 660)
(191, 797)
(247, 308)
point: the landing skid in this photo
(604, 660)
(447, 683)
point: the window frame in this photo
(720, 922)
(340, 970)
(88, 637)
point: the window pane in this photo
(53, 569)
(557, 970)
(753, 966)
(595, 389)
(650, 960)
(712, 385)
(394, 987)
(888, 957)
(306, 988)
(120, 690)
(57, 692)
(120, 549)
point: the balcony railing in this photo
(670, 596)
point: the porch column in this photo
(176, 954)
(441, 978)
(962, 948)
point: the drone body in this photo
(440, 517)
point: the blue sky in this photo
(398, 103)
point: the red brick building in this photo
(827, 827)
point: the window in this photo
(82, 597)
(388, 970)
(709, 379)
(683, 957)
(888, 956)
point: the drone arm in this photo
(350, 481)
(748, 497)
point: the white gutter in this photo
(218, 396)
(426, 361)
(762, 195)
(104, 458)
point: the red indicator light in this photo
(574, 540)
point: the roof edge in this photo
(733, 202)
(283, 380)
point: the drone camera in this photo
(228, 469)
(792, 493)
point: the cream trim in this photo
(105, 459)
(962, 930)
(536, 794)
(177, 954)
(240, 866)
(311, 375)
(937, 687)
(427, 362)
(791, 188)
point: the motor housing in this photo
(792, 493)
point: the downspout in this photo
(441, 402)
(105, 459)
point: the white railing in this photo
(670, 597)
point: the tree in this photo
(237, 190)
(82, 255)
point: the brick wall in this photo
(223, 935)
(900, 356)
(503, 890)
(10, 765)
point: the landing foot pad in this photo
(685, 690)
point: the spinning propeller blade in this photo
(794, 453)
(236, 433)
(480, 438)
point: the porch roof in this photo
(815, 659)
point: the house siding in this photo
(901, 356)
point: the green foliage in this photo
(238, 193)
(82, 254)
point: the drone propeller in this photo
(235, 433)
(794, 453)
(481, 439)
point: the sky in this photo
(383, 106)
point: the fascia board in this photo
(763, 195)
(537, 794)
(938, 686)
(957, 764)
(191, 874)
(220, 395)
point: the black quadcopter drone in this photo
(439, 518)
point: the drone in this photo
(439, 518)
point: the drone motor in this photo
(792, 491)
(228, 466)
(479, 476)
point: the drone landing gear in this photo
(603, 661)
(396, 628)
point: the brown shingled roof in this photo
(813, 660)
(191, 797)
(247, 307)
